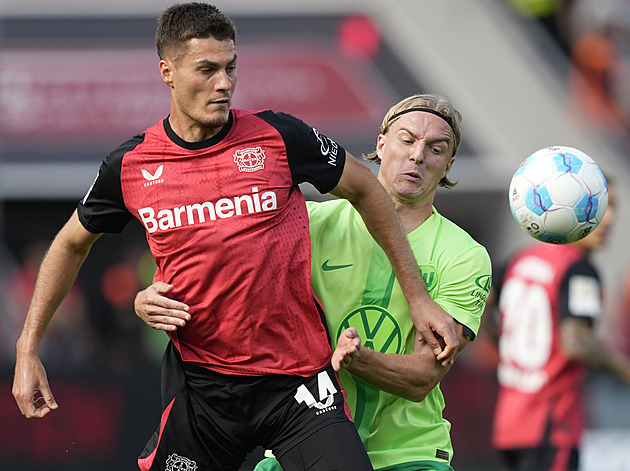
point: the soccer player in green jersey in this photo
(392, 385)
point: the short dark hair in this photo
(185, 21)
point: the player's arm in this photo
(410, 376)
(580, 343)
(580, 304)
(362, 189)
(57, 273)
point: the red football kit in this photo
(228, 227)
(540, 393)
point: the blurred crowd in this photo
(95, 327)
(595, 35)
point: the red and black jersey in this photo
(540, 389)
(228, 227)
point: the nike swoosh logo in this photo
(327, 267)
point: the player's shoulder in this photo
(327, 208)
(453, 233)
(154, 133)
(267, 115)
(582, 266)
(117, 154)
(331, 216)
(289, 126)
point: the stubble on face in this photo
(204, 78)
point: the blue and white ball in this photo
(558, 195)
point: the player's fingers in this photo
(430, 337)
(451, 341)
(338, 360)
(173, 316)
(447, 358)
(168, 318)
(39, 405)
(157, 305)
(48, 396)
(40, 408)
(168, 303)
(162, 288)
(164, 326)
(352, 333)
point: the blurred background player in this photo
(392, 391)
(548, 299)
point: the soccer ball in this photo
(558, 195)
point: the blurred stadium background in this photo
(78, 77)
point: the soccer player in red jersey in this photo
(216, 190)
(549, 298)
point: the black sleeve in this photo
(585, 270)
(468, 332)
(103, 208)
(313, 157)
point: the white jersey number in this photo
(526, 335)
(327, 392)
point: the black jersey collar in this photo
(201, 144)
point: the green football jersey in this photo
(354, 281)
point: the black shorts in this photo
(211, 421)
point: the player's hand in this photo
(347, 350)
(158, 311)
(437, 327)
(30, 387)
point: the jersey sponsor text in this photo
(199, 213)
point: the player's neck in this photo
(192, 131)
(412, 216)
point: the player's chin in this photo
(217, 118)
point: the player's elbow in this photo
(418, 397)
(418, 393)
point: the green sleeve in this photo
(268, 464)
(464, 287)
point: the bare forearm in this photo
(410, 376)
(407, 376)
(581, 344)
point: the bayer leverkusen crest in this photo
(250, 160)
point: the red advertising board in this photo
(51, 96)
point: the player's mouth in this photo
(221, 102)
(412, 175)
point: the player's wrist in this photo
(25, 346)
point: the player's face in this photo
(415, 155)
(202, 80)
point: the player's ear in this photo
(448, 166)
(166, 71)
(380, 143)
